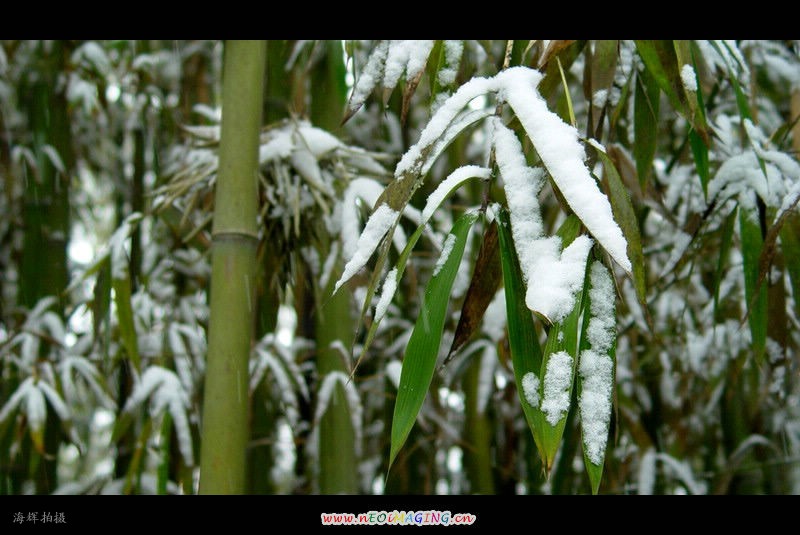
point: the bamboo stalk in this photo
(225, 405)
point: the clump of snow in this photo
(448, 185)
(411, 162)
(688, 77)
(447, 248)
(376, 228)
(553, 277)
(409, 56)
(599, 98)
(596, 367)
(370, 75)
(387, 293)
(530, 387)
(557, 383)
(557, 145)
(453, 50)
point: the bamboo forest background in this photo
(118, 173)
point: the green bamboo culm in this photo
(233, 272)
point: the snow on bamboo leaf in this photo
(387, 293)
(409, 56)
(530, 387)
(596, 367)
(446, 249)
(376, 228)
(326, 391)
(552, 277)
(557, 382)
(455, 179)
(165, 391)
(557, 145)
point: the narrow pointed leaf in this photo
(625, 215)
(700, 153)
(645, 124)
(600, 322)
(423, 346)
(724, 249)
(122, 298)
(790, 246)
(757, 303)
(526, 355)
(562, 337)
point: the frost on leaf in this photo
(596, 367)
(557, 383)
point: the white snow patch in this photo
(530, 387)
(553, 277)
(599, 98)
(557, 144)
(447, 248)
(449, 184)
(376, 228)
(409, 56)
(387, 293)
(557, 383)
(688, 77)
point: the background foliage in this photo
(108, 160)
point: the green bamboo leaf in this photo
(101, 301)
(163, 465)
(608, 324)
(662, 62)
(373, 283)
(790, 245)
(423, 346)
(700, 153)
(625, 215)
(486, 278)
(645, 125)
(562, 338)
(757, 310)
(724, 250)
(603, 69)
(122, 298)
(526, 355)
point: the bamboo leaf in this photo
(486, 278)
(423, 346)
(724, 250)
(700, 153)
(790, 246)
(752, 242)
(604, 65)
(596, 369)
(661, 61)
(122, 298)
(526, 355)
(101, 301)
(625, 215)
(645, 125)
(563, 338)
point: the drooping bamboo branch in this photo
(233, 269)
